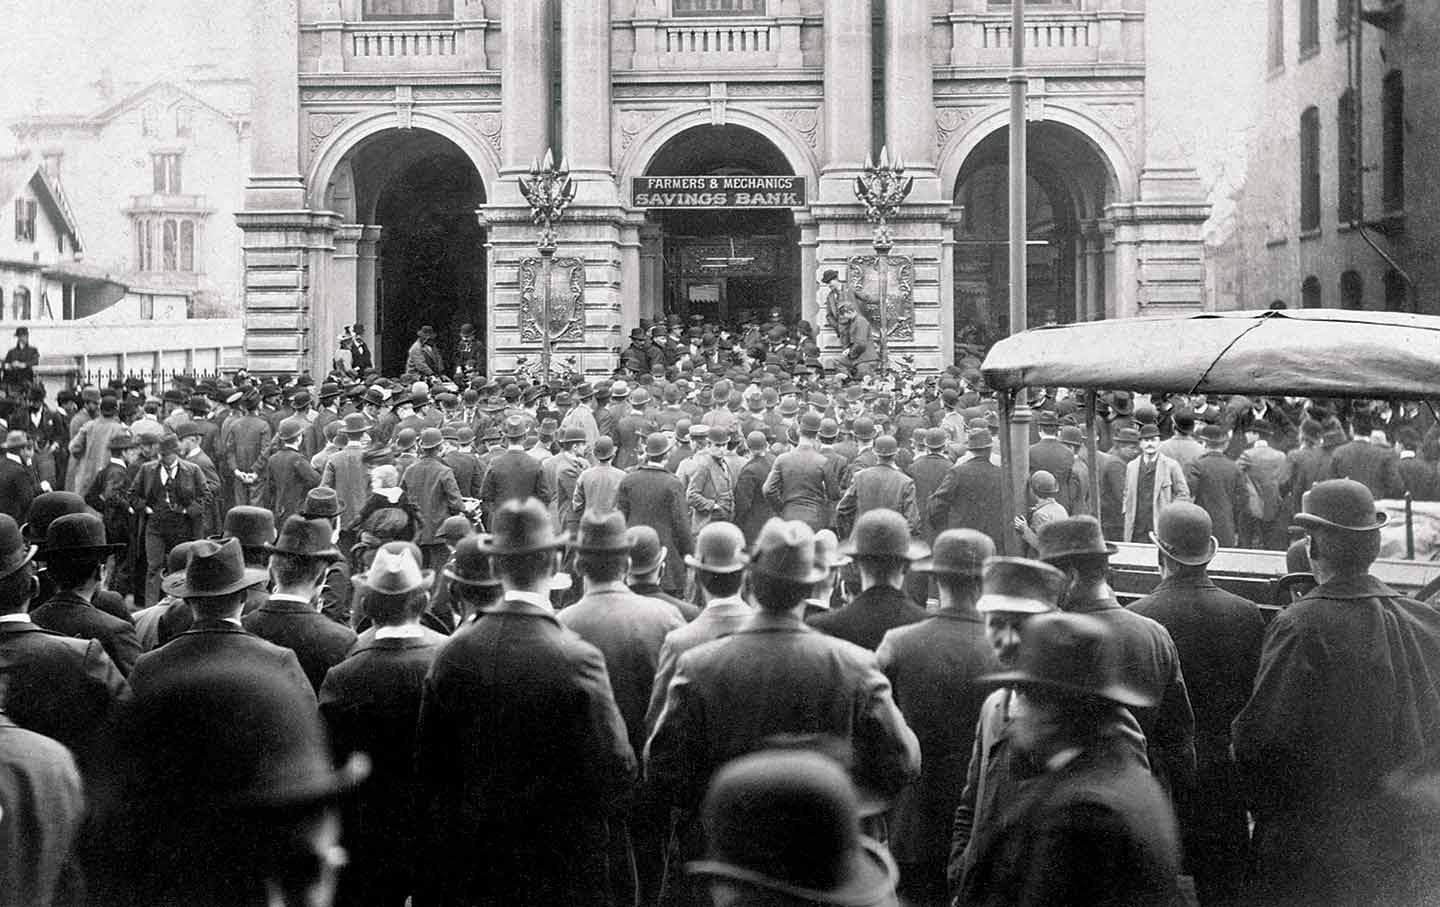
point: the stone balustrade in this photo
(986, 39)
(457, 46)
(759, 42)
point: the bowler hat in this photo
(1043, 483)
(454, 528)
(1074, 536)
(253, 527)
(1340, 504)
(78, 533)
(1072, 435)
(290, 429)
(355, 424)
(405, 438)
(883, 533)
(1149, 430)
(45, 509)
(864, 429)
(755, 441)
(189, 430)
(14, 552)
(470, 564)
(322, 502)
(657, 445)
(785, 550)
(619, 390)
(829, 430)
(1047, 418)
(1073, 655)
(979, 439)
(121, 440)
(329, 390)
(604, 449)
(719, 548)
(957, 552)
(936, 439)
(572, 435)
(523, 527)
(640, 397)
(645, 549)
(514, 427)
(302, 536)
(787, 822)
(810, 423)
(431, 438)
(394, 571)
(1019, 585)
(602, 533)
(214, 568)
(886, 447)
(827, 551)
(1213, 433)
(1183, 532)
(789, 407)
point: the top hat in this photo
(214, 568)
(658, 444)
(523, 527)
(1043, 483)
(979, 439)
(1340, 504)
(45, 509)
(719, 548)
(302, 536)
(470, 564)
(253, 527)
(394, 571)
(883, 533)
(1019, 585)
(323, 503)
(602, 533)
(785, 550)
(14, 552)
(1074, 536)
(1182, 531)
(788, 822)
(645, 549)
(1073, 655)
(957, 552)
(78, 533)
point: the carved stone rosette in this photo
(567, 300)
(863, 278)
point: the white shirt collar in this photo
(117, 461)
(285, 597)
(18, 618)
(404, 631)
(538, 599)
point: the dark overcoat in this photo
(652, 496)
(70, 615)
(317, 641)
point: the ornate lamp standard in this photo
(548, 191)
(882, 189)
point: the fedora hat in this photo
(1073, 655)
(302, 536)
(470, 564)
(323, 503)
(356, 423)
(1182, 531)
(602, 533)
(14, 552)
(252, 527)
(719, 548)
(1074, 536)
(788, 822)
(1340, 504)
(214, 568)
(78, 533)
(957, 552)
(1127, 435)
(1019, 585)
(394, 571)
(290, 429)
(514, 427)
(883, 533)
(785, 550)
(979, 439)
(1149, 430)
(45, 509)
(523, 527)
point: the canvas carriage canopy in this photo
(1303, 353)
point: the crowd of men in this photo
(727, 628)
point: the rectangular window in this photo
(718, 8)
(187, 246)
(1392, 115)
(1309, 26)
(169, 243)
(1276, 52)
(183, 118)
(25, 210)
(167, 173)
(1348, 171)
(407, 9)
(1310, 169)
(147, 308)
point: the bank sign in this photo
(718, 191)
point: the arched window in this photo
(1352, 290)
(1392, 117)
(20, 304)
(1310, 169)
(1397, 295)
(187, 246)
(1347, 169)
(1310, 293)
(169, 244)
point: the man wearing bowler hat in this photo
(1092, 826)
(879, 487)
(933, 666)
(214, 584)
(1218, 485)
(1345, 694)
(1149, 661)
(423, 358)
(323, 503)
(299, 561)
(348, 473)
(1052, 455)
(647, 566)
(370, 703)
(522, 752)
(171, 495)
(513, 475)
(75, 553)
(775, 676)
(1152, 480)
(1218, 636)
(431, 487)
(18, 486)
(597, 486)
(287, 476)
(883, 550)
(969, 495)
(471, 580)
(109, 495)
(800, 485)
(652, 496)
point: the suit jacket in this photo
(969, 498)
(651, 496)
(70, 615)
(629, 630)
(1270, 471)
(245, 438)
(869, 616)
(1217, 484)
(287, 480)
(933, 667)
(719, 618)
(317, 641)
(1421, 478)
(347, 473)
(17, 489)
(1377, 467)
(522, 754)
(45, 806)
(191, 496)
(799, 487)
(710, 490)
(629, 434)
(214, 643)
(1096, 830)
(596, 491)
(424, 360)
(882, 487)
(562, 473)
(513, 475)
(66, 689)
(466, 467)
(752, 509)
(928, 471)
(1170, 486)
(1308, 465)
(430, 485)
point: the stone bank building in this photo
(714, 145)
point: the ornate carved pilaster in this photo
(567, 300)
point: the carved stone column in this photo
(366, 265)
(585, 100)
(909, 94)
(524, 91)
(848, 115)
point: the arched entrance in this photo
(1067, 187)
(728, 264)
(423, 191)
